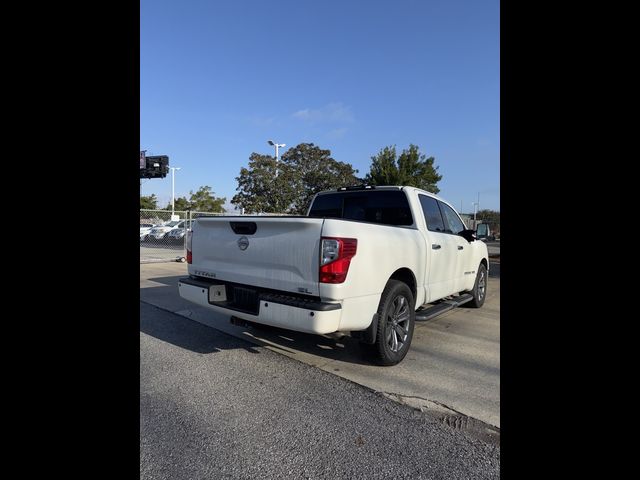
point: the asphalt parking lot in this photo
(215, 406)
(452, 369)
(160, 251)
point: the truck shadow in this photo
(330, 347)
(187, 334)
(177, 323)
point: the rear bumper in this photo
(279, 310)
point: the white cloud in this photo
(261, 121)
(334, 112)
(337, 133)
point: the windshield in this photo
(388, 207)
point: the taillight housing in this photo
(335, 258)
(189, 254)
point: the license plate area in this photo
(245, 299)
(217, 293)
(233, 297)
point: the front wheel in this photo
(479, 291)
(396, 321)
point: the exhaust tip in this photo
(238, 322)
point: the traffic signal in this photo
(156, 166)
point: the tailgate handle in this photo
(244, 228)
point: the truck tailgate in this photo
(282, 254)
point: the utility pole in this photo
(475, 210)
(173, 190)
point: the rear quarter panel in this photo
(382, 250)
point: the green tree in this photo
(204, 200)
(491, 217)
(315, 171)
(411, 168)
(182, 204)
(148, 202)
(303, 171)
(260, 190)
(488, 215)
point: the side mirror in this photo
(468, 235)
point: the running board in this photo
(439, 309)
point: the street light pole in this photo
(277, 145)
(173, 190)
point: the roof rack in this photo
(357, 187)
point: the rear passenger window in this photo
(452, 221)
(387, 207)
(432, 213)
(327, 206)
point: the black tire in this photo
(479, 291)
(396, 321)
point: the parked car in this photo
(176, 235)
(363, 261)
(158, 232)
(145, 228)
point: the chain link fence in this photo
(163, 237)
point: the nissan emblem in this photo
(243, 243)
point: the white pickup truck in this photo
(362, 261)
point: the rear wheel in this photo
(396, 321)
(479, 291)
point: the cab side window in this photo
(453, 224)
(432, 214)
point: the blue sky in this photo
(220, 78)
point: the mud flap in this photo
(367, 336)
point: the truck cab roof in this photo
(356, 188)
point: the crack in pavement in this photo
(438, 406)
(449, 416)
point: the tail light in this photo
(336, 255)
(189, 254)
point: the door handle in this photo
(460, 247)
(435, 246)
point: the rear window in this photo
(388, 207)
